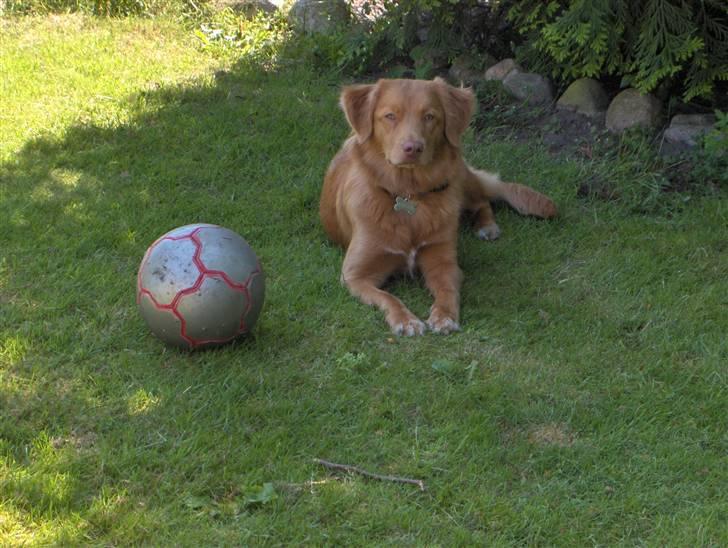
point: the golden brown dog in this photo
(393, 195)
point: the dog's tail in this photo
(523, 199)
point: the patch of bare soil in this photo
(552, 434)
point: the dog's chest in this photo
(409, 256)
(407, 234)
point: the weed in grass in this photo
(711, 164)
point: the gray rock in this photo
(465, 69)
(502, 69)
(632, 109)
(585, 96)
(686, 129)
(532, 88)
(319, 16)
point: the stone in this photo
(529, 87)
(502, 69)
(585, 96)
(464, 68)
(630, 108)
(686, 129)
(319, 16)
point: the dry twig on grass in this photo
(356, 470)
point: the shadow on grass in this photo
(83, 380)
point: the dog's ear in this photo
(458, 104)
(357, 102)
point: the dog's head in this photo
(408, 120)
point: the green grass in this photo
(583, 403)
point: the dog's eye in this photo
(429, 117)
(390, 116)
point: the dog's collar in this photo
(408, 203)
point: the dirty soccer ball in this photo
(200, 285)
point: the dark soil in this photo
(571, 135)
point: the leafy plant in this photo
(711, 163)
(258, 38)
(681, 43)
(392, 33)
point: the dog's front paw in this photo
(408, 326)
(441, 323)
(489, 232)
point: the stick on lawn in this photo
(357, 470)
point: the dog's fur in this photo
(405, 151)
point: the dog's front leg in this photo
(364, 271)
(438, 264)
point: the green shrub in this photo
(258, 38)
(711, 161)
(681, 43)
(395, 35)
(343, 51)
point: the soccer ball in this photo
(200, 285)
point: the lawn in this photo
(583, 403)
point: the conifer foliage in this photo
(683, 43)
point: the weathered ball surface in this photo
(200, 285)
